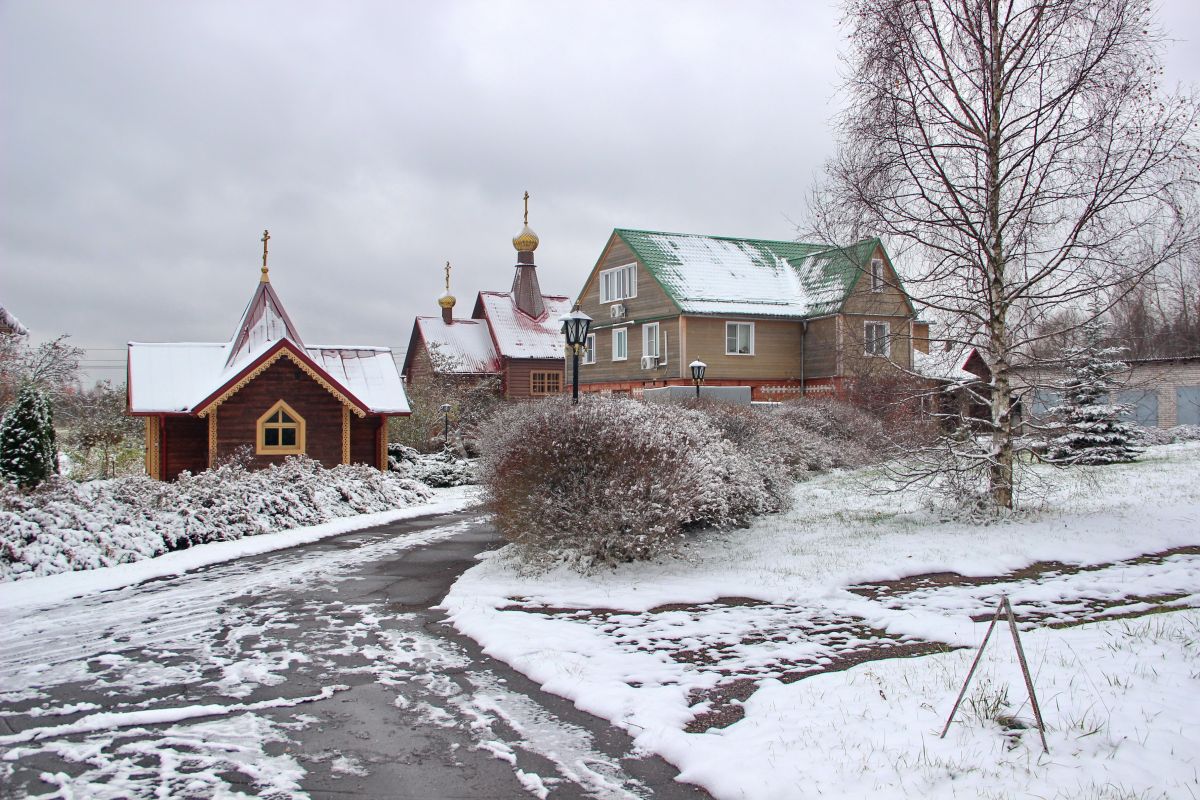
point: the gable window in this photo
(877, 339)
(877, 275)
(618, 283)
(739, 338)
(545, 382)
(280, 431)
(620, 344)
(650, 340)
(589, 352)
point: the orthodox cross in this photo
(447, 276)
(265, 237)
(527, 208)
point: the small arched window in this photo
(280, 431)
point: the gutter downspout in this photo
(803, 343)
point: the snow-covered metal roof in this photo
(175, 377)
(724, 275)
(463, 347)
(518, 335)
(10, 324)
(945, 365)
(369, 373)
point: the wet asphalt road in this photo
(415, 710)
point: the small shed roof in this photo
(10, 324)
(725, 275)
(516, 334)
(946, 365)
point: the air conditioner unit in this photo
(617, 311)
(649, 362)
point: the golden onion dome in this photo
(526, 241)
(447, 300)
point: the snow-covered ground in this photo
(757, 661)
(241, 680)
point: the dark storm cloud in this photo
(145, 146)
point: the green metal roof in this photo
(759, 277)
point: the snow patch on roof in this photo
(945, 365)
(518, 335)
(463, 347)
(720, 275)
(173, 377)
(10, 324)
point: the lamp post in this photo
(575, 327)
(698, 368)
(446, 425)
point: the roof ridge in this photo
(791, 242)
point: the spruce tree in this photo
(28, 453)
(1095, 432)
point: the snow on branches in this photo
(1094, 431)
(614, 479)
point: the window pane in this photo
(276, 417)
(289, 437)
(285, 418)
(271, 437)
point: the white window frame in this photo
(589, 350)
(618, 283)
(622, 335)
(877, 275)
(734, 352)
(647, 329)
(869, 340)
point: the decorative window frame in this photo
(878, 344)
(621, 334)
(618, 283)
(750, 337)
(551, 380)
(589, 349)
(878, 281)
(260, 440)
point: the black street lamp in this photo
(446, 425)
(575, 327)
(698, 368)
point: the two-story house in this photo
(785, 318)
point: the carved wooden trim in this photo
(153, 454)
(263, 367)
(212, 438)
(345, 434)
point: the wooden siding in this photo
(237, 418)
(776, 349)
(820, 349)
(364, 439)
(517, 375)
(184, 446)
(650, 305)
(864, 305)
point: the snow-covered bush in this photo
(64, 526)
(1180, 433)
(614, 479)
(441, 469)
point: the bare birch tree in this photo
(1020, 156)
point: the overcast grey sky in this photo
(144, 147)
